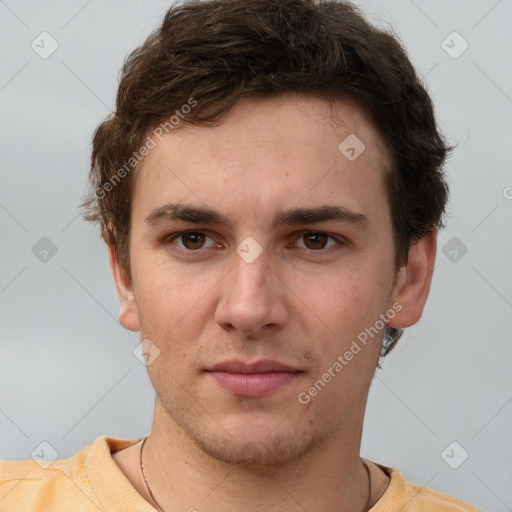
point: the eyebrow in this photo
(200, 215)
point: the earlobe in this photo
(413, 282)
(128, 314)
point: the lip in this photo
(261, 366)
(252, 380)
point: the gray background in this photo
(67, 369)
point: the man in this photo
(270, 188)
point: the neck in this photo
(184, 477)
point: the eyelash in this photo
(340, 241)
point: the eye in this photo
(191, 240)
(318, 241)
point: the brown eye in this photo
(191, 241)
(315, 241)
(318, 241)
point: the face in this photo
(260, 253)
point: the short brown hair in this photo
(220, 51)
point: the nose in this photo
(252, 297)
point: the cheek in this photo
(337, 309)
(347, 353)
(171, 300)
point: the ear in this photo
(128, 315)
(413, 282)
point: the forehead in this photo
(281, 150)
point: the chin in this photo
(276, 452)
(249, 438)
(256, 449)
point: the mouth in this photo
(252, 380)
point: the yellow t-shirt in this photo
(90, 481)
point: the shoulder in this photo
(417, 498)
(34, 469)
(410, 497)
(56, 485)
(26, 484)
(430, 500)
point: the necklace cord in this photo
(146, 483)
